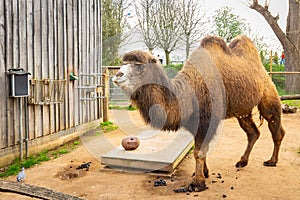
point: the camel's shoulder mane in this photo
(213, 42)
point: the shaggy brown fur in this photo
(138, 57)
(217, 82)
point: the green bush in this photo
(278, 79)
(172, 70)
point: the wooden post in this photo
(105, 93)
(271, 64)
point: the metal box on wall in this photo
(18, 82)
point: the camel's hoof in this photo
(270, 163)
(196, 187)
(241, 164)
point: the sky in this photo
(256, 21)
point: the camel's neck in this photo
(158, 104)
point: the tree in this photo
(228, 25)
(290, 40)
(192, 22)
(113, 24)
(167, 29)
(145, 22)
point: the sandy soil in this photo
(252, 182)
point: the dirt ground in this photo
(255, 181)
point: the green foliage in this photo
(228, 25)
(60, 152)
(116, 107)
(172, 69)
(112, 30)
(108, 126)
(278, 79)
(11, 170)
(15, 168)
(191, 150)
(177, 67)
(275, 67)
(63, 151)
(295, 103)
(33, 160)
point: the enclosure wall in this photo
(50, 39)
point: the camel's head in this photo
(135, 71)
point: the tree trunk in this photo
(290, 41)
(292, 61)
(187, 48)
(167, 53)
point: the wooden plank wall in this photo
(49, 39)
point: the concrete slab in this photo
(158, 151)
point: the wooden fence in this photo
(50, 39)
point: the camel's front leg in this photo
(198, 183)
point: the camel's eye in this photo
(140, 68)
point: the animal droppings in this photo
(160, 182)
(213, 181)
(222, 181)
(219, 176)
(84, 166)
(224, 196)
(232, 188)
(180, 190)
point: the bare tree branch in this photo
(272, 21)
(167, 27)
(192, 22)
(145, 22)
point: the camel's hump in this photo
(211, 41)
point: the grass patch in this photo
(76, 143)
(191, 150)
(115, 107)
(108, 126)
(295, 103)
(59, 152)
(15, 168)
(33, 160)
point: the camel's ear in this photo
(152, 60)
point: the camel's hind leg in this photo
(250, 128)
(271, 111)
